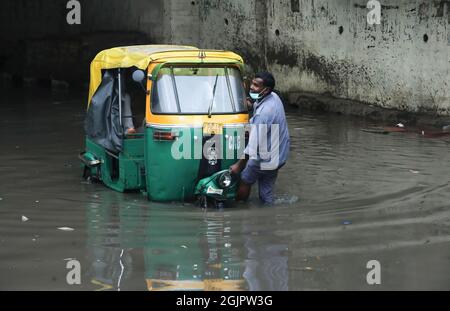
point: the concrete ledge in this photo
(325, 103)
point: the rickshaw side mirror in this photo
(138, 76)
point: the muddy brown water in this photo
(347, 197)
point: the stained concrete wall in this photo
(327, 46)
(389, 65)
(314, 46)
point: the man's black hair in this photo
(267, 77)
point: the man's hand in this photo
(237, 167)
(249, 103)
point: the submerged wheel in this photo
(88, 176)
(87, 173)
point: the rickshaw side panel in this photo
(122, 174)
(169, 178)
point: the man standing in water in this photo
(268, 147)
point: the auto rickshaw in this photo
(193, 126)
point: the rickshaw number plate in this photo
(212, 128)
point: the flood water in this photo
(347, 197)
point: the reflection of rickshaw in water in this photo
(131, 246)
(188, 255)
(193, 130)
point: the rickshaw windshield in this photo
(198, 90)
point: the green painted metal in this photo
(170, 178)
(172, 166)
(210, 187)
(122, 172)
(165, 170)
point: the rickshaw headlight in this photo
(225, 180)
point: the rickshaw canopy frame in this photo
(141, 56)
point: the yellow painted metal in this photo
(197, 120)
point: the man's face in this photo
(257, 86)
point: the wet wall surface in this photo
(346, 197)
(324, 46)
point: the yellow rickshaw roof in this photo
(141, 56)
(128, 56)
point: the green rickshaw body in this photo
(195, 120)
(182, 174)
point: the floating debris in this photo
(347, 222)
(285, 199)
(414, 172)
(376, 131)
(184, 246)
(302, 268)
(66, 229)
(401, 125)
(24, 218)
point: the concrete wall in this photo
(317, 46)
(234, 25)
(389, 65)
(327, 46)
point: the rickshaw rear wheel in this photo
(87, 175)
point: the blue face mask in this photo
(256, 96)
